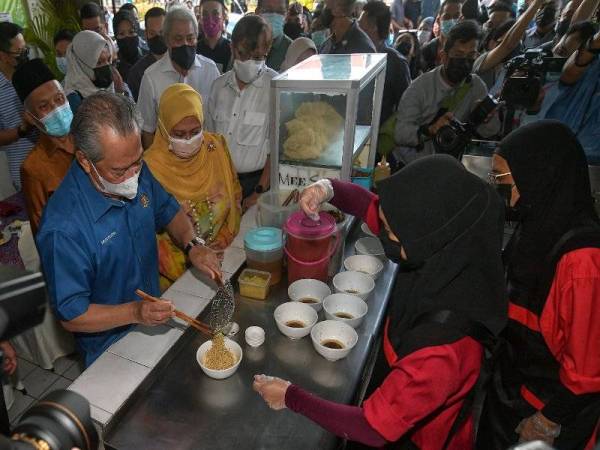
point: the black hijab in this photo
(550, 170)
(450, 224)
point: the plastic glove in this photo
(271, 389)
(314, 196)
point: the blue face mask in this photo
(447, 25)
(58, 122)
(61, 63)
(319, 37)
(276, 22)
(390, 40)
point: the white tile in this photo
(233, 259)
(24, 367)
(110, 381)
(249, 219)
(238, 242)
(100, 416)
(194, 283)
(61, 383)
(186, 303)
(38, 381)
(61, 365)
(20, 405)
(146, 345)
(74, 371)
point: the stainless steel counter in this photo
(178, 407)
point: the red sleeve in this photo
(569, 321)
(358, 201)
(421, 384)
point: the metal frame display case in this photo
(325, 111)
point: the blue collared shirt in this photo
(95, 249)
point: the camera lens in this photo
(62, 420)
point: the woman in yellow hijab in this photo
(194, 166)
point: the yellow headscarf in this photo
(191, 179)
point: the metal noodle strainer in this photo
(222, 307)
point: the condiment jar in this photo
(264, 251)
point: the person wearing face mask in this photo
(193, 165)
(543, 31)
(89, 62)
(548, 377)
(62, 40)
(431, 53)
(213, 44)
(407, 44)
(273, 12)
(127, 33)
(97, 237)
(424, 32)
(435, 98)
(180, 64)
(346, 36)
(448, 302)
(47, 109)
(153, 20)
(239, 107)
(17, 136)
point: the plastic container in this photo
(264, 251)
(270, 212)
(254, 284)
(310, 245)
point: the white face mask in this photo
(423, 36)
(61, 63)
(186, 148)
(127, 188)
(249, 70)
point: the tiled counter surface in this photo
(118, 372)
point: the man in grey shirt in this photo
(450, 86)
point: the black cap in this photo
(29, 76)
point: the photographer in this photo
(435, 98)
(543, 31)
(584, 12)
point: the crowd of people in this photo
(137, 156)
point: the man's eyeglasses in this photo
(24, 52)
(494, 178)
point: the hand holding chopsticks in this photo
(201, 327)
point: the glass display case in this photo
(326, 114)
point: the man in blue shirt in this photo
(97, 235)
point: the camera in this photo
(453, 138)
(525, 76)
(61, 420)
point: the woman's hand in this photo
(537, 427)
(272, 390)
(207, 261)
(313, 196)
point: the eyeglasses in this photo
(24, 52)
(494, 177)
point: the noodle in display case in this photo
(326, 112)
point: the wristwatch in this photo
(195, 241)
(259, 189)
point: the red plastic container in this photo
(310, 245)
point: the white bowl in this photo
(255, 336)
(345, 304)
(333, 330)
(371, 265)
(295, 311)
(365, 229)
(233, 346)
(370, 246)
(314, 290)
(354, 283)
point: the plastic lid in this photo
(264, 239)
(299, 224)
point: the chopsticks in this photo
(294, 196)
(200, 326)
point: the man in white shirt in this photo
(239, 108)
(180, 64)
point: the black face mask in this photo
(511, 213)
(404, 48)
(458, 69)
(293, 30)
(157, 45)
(184, 56)
(102, 77)
(128, 47)
(391, 249)
(562, 27)
(326, 17)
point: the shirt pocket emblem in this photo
(144, 200)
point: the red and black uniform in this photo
(432, 366)
(551, 361)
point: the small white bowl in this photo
(371, 265)
(255, 336)
(370, 246)
(338, 332)
(310, 292)
(345, 305)
(295, 311)
(233, 346)
(354, 283)
(365, 229)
